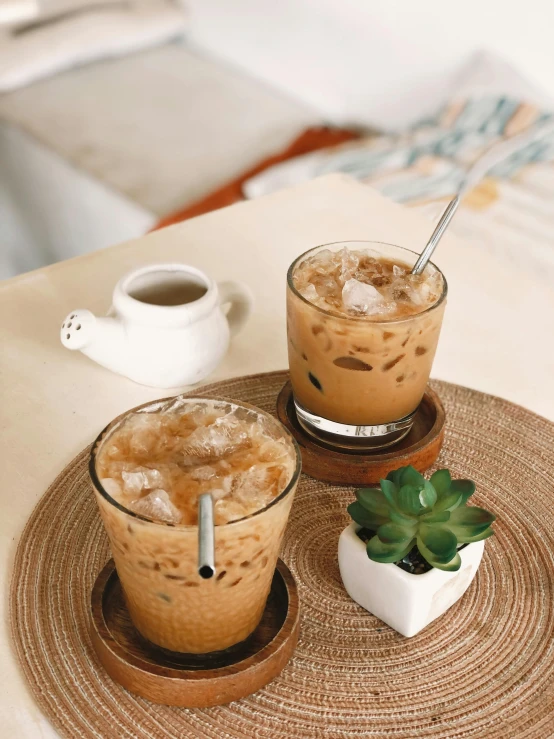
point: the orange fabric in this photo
(310, 140)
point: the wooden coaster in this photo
(192, 680)
(420, 447)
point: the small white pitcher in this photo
(166, 327)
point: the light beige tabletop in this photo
(53, 402)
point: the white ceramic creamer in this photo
(166, 327)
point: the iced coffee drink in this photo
(149, 469)
(362, 334)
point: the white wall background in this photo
(383, 62)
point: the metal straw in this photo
(436, 236)
(206, 537)
(492, 156)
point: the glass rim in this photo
(107, 430)
(364, 319)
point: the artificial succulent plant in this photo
(409, 511)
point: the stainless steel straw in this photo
(436, 236)
(206, 537)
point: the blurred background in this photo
(120, 117)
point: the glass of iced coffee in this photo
(148, 470)
(362, 334)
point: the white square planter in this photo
(404, 601)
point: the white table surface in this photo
(54, 402)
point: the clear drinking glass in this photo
(357, 381)
(157, 563)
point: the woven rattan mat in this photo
(485, 669)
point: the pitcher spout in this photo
(101, 339)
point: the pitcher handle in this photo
(241, 300)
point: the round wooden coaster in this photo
(420, 447)
(192, 680)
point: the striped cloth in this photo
(509, 211)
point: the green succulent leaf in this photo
(394, 476)
(408, 500)
(380, 552)
(410, 476)
(465, 487)
(452, 566)
(478, 537)
(389, 491)
(428, 496)
(397, 517)
(471, 516)
(365, 518)
(438, 542)
(393, 533)
(374, 500)
(441, 480)
(435, 516)
(427, 554)
(448, 502)
(469, 522)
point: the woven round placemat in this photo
(485, 669)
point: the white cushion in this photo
(163, 127)
(46, 48)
